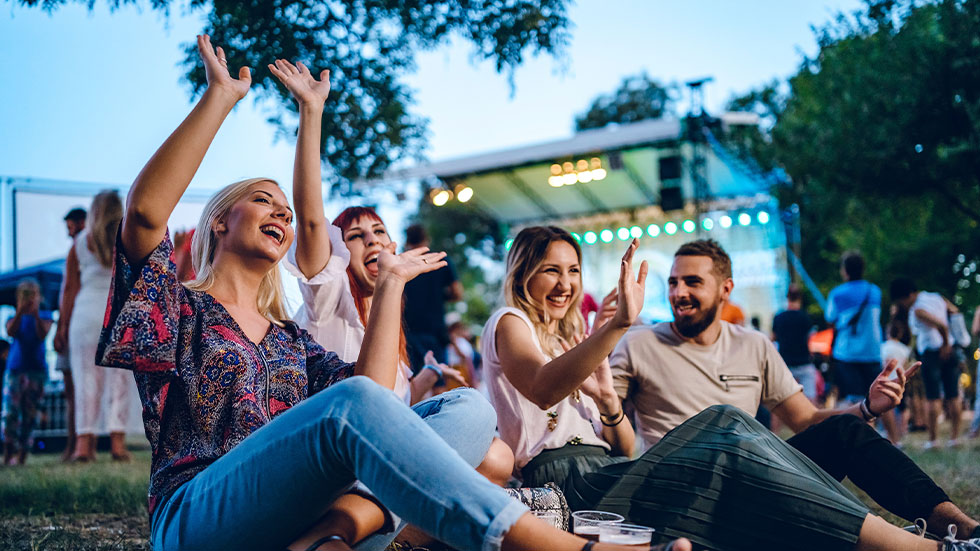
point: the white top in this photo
(464, 346)
(928, 337)
(894, 350)
(522, 424)
(670, 379)
(328, 311)
(94, 278)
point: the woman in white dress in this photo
(88, 271)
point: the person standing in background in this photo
(975, 425)
(425, 305)
(26, 373)
(89, 273)
(791, 332)
(74, 224)
(929, 323)
(854, 309)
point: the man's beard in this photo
(692, 326)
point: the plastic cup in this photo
(551, 517)
(626, 534)
(586, 523)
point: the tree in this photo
(638, 98)
(881, 137)
(367, 45)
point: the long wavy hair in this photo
(525, 257)
(344, 221)
(271, 298)
(104, 217)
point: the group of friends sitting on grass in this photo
(264, 438)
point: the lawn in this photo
(102, 506)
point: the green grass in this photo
(102, 506)
(47, 486)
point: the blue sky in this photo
(89, 95)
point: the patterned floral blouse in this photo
(203, 384)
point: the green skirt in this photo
(720, 479)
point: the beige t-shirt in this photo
(670, 380)
(522, 424)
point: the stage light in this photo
(568, 167)
(744, 219)
(585, 177)
(591, 237)
(670, 228)
(508, 244)
(556, 181)
(636, 231)
(464, 193)
(688, 226)
(599, 174)
(725, 221)
(653, 230)
(441, 197)
(582, 165)
(577, 237)
(595, 162)
(707, 224)
(606, 236)
(556, 170)
(763, 217)
(569, 179)
(623, 234)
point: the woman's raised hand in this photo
(409, 264)
(630, 291)
(301, 83)
(216, 69)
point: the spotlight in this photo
(670, 228)
(585, 176)
(623, 234)
(653, 230)
(577, 237)
(763, 217)
(707, 224)
(591, 237)
(508, 244)
(464, 193)
(606, 235)
(441, 197)
(636, 231)
(725, 221)
(598, 174)
(556, 181)
(688, 226)
(744, 219)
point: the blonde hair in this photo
(271, 300)
(525, 257)
(103, 224)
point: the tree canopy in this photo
(367, 45)
(638, 98)
(880, 134)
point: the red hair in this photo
(344, 221)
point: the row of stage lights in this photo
(441, 196)
(568, 174)
(670, 228)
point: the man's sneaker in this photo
(950, 543)
(930, 444)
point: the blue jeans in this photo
(274, 485)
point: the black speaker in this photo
(671, 198)
(670, 168)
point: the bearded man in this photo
(673, 370)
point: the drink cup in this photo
(626, 534)
(586, 523)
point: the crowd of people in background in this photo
(355, 397)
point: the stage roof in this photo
(513, 185)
